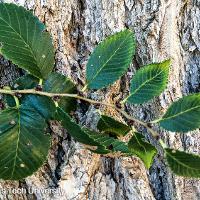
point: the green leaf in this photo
(73, 128)
(110, 125)
(183, 164)
(42, 104)
(110, 59)
(103, 142)
(23, 144)
(58, 83)
(148, 82)
(144, 150)
(24, 40)
(183, 115)
(107, 143)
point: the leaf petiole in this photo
(41, 82)
(84, 88)
(16, 101)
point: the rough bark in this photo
(164, 29)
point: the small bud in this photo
(18, 95)
(56, 98)
(118, 105)
(38, 88)
(157, 137)
(149, 125)
(130, 122)
(110, 147)
(97, 106)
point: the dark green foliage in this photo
(41, 104)
(109, 125)
(104, 143)
(148, 82)
(58, 83)
(25, 82)
(144, 150)
(9, 100)
(73, 128)
(107, 143)
(23, 144)
(183, 115)
(183, 164)
(110, 60)
(24, 40)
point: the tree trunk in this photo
(164, 29)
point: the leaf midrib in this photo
(140, 143)
(110, 127)
(17, 144)
(143, 84)
(106, 123)
(108, 59)
(176, 115)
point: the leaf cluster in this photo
(24, 137)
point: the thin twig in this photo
(32, 91)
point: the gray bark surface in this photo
(164, 29)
